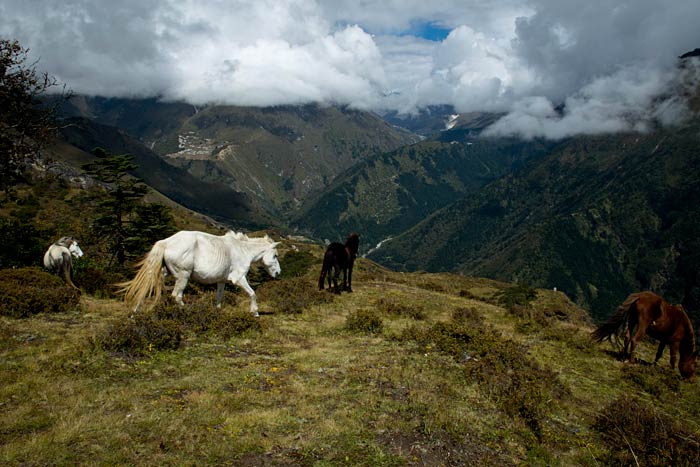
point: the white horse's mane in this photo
(240, 236)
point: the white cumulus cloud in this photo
(556, 67)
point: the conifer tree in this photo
(119, 201)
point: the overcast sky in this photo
(609, 61)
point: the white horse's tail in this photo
(148, 280)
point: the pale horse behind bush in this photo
(204, 258)
(58, 259)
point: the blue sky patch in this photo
(427, 30)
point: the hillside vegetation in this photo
(277, 157)
(390, 193)
(410, 369)
(597, 217)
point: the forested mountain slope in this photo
(390, 193)
(598, 217)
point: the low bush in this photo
(27, 291)
(400, 309)
(364, 320)
(296, 263)
(231, 323)
(517, 298)
(653, 379)
(636, 433)
(201, 316)
(140, 335)
(518, 385)
(98, 282)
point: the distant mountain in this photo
(391, 192)
(597, 217)
(79, 136)
(278, 156)
(433, 120)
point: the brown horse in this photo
(646, 312)
(339, 258)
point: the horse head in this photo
(353, 244)
(270, 260)
(75, 250)
(688, 353)
(72, 245)
(688, 365)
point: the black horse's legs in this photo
(322, 278)
(336, 275)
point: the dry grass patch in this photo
(637, 433)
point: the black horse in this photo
(339, 258)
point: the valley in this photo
(505, 208)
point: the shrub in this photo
(636, 433)
(293, 296)
(296, 263)
(230, 323)
(364, 320)
(401, 309)
(196, 316)
(140, 335)
(202, 316)
(515, 297)
(28, 291)
(653, 379)
(468, 315)
(517, 384)
(98, 282)
(28, 243)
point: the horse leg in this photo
(345, 279)
(641, 330)
(219, 293)
(675, 347)
(659, 351)
(243, 283)
(180, 284)
(67, 270)
(350, 275)
(322, 277)
(628, 338)
(336, 275)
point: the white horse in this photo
(204, 258)
(59, 258)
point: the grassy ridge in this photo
(461, 371)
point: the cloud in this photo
(606, 64)
(631, 99)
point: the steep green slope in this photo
(80, 136)
(599, 217)
(278, 156)
(390, 193)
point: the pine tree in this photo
(121, 198)
(151, 222)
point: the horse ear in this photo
(274, 244)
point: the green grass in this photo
(450, 378)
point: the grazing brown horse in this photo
(339, 258)
(646, 312)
